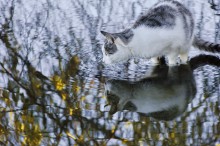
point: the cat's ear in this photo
(122, 38)
(108, 36)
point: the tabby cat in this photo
(167, 29)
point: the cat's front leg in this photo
(172, 59)
(155, 60)
(184, 58)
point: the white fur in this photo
(153, 98)
(122, 54)
(165, 3)
(148, 42)
(156, 96)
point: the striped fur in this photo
(167, 29)
(206, 46)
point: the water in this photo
(54, 90)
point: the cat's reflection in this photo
(164, 95)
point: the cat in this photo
(167, 29)
(164, 96)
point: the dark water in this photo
(54, 90)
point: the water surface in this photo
(55, 91)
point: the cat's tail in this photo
(206, 46)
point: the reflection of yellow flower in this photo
(22, 127)
(71, 111)
(113, 129)
(58, 83)
(76, 59)
(70, 135)
(77, 89)
(63, 96)
(83, 98)
(34, 136)
(172, 135)
(38, 85)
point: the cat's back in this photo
(164, 15)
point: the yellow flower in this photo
(58, 83)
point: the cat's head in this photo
(115, 48)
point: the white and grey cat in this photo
(164, 96)
(167, 29)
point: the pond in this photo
(54, 89)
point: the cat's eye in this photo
(107, 49)
(110, 48)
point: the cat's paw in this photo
(155, 60)
(172, 59)
(184, 58)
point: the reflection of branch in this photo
(14, 78)
(213, 5)
(37, 31)
(11, 11)
(90, 22)
(7, 111)
(5, 37)
(193, 110)
(200, 25)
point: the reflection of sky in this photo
(47, 20)
(75, 20)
